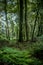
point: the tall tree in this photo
(37, 13)
(40, 26)
(0, 28)
(26, 25)
(12, 27)
(21, 21)
(7, 26)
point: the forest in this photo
(21, 32)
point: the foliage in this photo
(15, 56)
(21, 21)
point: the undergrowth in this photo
(21, 57)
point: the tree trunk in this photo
(21, 21)
(26, 25)
(7, 27)
(34, 25)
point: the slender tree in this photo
(26, 25)
(40, 26)
(37, 12)
(0, 28)
(12, 27)
(40, 19)
(7, 26)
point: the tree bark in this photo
(21, 21)
(26, 25)
(7, 27)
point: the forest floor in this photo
(14, 44)
(19, 53)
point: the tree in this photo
(26, 25)
(7, 27)
(37, 13)
(0, 28)
(39, 7)
(21, 21)
(12, 27)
